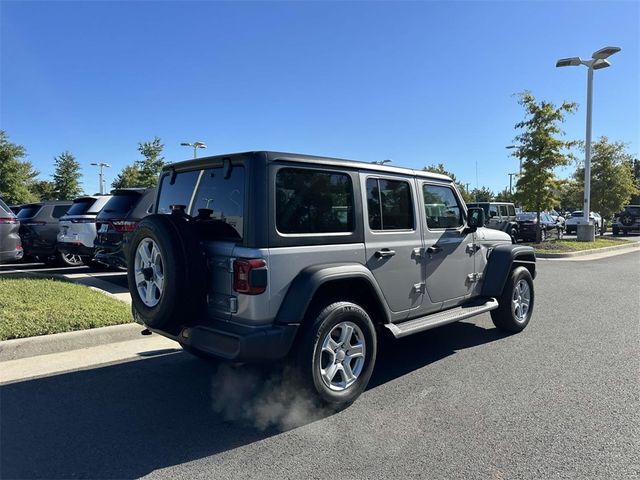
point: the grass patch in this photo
(31, 306)
(573, 245)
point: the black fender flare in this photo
(303, 288)
(501, 261)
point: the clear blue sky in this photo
(419, 83)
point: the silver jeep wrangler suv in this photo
(264, 256)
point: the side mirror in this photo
(475, 219)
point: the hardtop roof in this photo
(272, 157)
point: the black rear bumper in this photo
(74, 249)
(236, 342)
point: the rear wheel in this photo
(337, 353)
(68, 260)
(515, 303)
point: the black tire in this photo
(310, 357)
(504, 317)
(627, 219)
(513, 233)
(184, 285)
(616, 231)
(67, 260)
(96, 266)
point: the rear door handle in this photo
(434, 249)
(385, 253)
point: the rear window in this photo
(526, 216)
(120, 204)
(313, 201)
(80, 207)
(206, 193)
(28, 211)
(512, 210)
(59, 211)
(635, 211)
(4, 209)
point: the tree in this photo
(439, 168)
(16, 175)
(145, 172)
(482, 194)
(127, 178)
(66, 178)
(540, 151)
(504, 196)
(44, 190)
(612, 177)
(571, 193)
(635, 200)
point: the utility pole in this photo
(101, 174)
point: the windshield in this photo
(28, 211)
(120, 204)
(578, 213)
(80, 207)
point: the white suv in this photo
(77, 229)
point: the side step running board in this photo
(421, 324)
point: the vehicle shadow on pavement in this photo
(126, 420)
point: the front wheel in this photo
(515, 303)
(337, 353)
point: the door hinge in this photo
(474, 277)
(419, 288)
(418, 252)
(472, 247)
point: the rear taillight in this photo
(83, 220)
(124, 225)
(250, 276)
(5, 220)
(18, 247)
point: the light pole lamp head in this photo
(569, 62)
(605, 52)
(600, 63)
(199, 145)
(186, 144)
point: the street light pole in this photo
(598, 61)
(101, 174)
(195, 145)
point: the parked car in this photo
(38, 230)
(557, 217)
(77, 230)
(10, 243)
(15, 208)
(577, 218)
(261, 256)
(528, 222)
(117, 221)
(500, 216)
(627, 221)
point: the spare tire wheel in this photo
(166, 273)
(627, 219)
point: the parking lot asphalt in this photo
(559, 400)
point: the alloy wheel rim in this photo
(521, 300)
(72, 259)
(342, 357)
(149, 272)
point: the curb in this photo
(61, 342)
(629, 246)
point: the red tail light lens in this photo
(250, 276)
(18, 247)
(124, 225)
(6, 220)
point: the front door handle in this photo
(434, 249)
(385, 253)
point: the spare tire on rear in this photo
(166, 272)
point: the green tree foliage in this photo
(635, 200)
(504, 196)
(571, 193)
(612, 177)
(144, 172)
(482, 194)
(66, 178)
(44, 190)
(16, 175)
(439, 168)
(540, 150)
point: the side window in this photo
(512, 211)
(313, 201)
(493, 211)
(178, 193)
(389, 204)
(59, 211)
(441, 207)
(503, 210)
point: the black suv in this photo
(628, 220)
(264, 256)
(117, 221)
(39, 229)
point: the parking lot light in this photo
(195, 146)
(598, 61)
